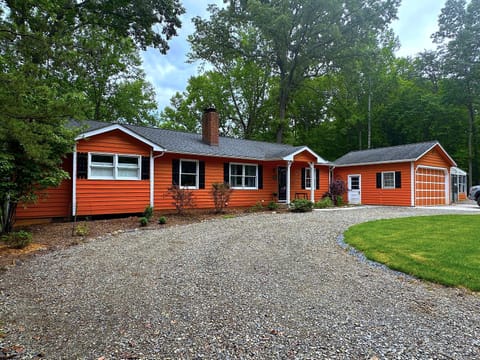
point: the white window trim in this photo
(115, 167)
(197, 174)
(383, 181)
(305, 179)
(243, 187)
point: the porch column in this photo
(313, 181)
(289, 164)
(74, 182)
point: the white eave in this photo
(290, 157)
(88, 134)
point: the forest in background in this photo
(324, 74)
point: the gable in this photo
(436, 157)
(115, 141)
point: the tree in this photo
(39, 53)
(459, 47)
(296, 38)
(240, 95)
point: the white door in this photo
(354, 189)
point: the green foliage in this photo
(272, 205)
(143, 221)
(301, 205)
(18, 239)
(81, 229)
(340, 201)
(257, 207)
(324, 203)
(148, 212)
(162, 220)
(443, 249)
(182, 198)
(221, 196)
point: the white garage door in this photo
(431, 186)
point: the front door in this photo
(282, 184)
(354, 189)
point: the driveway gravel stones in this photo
(259, 286)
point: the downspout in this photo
(74, 182)
(152, 174)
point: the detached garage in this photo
(405, 175)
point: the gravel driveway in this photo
(257, 286)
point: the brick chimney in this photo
(210, 124)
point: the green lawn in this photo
(443, 249)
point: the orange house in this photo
(406, 175)
(119, 169)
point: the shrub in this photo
(340, 201)
(301, 205)
(162, 220)
(337, 188)
(18, 239)
(81, 230)
(182, 198)
(272, 205)
(324, 203)
(257, 207)
(221, 196)
(143, 221)
(148, 212)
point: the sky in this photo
(417, 21)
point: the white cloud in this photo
(417, 21)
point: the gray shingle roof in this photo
(399, 153)
(190, 143)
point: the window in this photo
(189, 174)
(308, 178)
(388, 180)
(114, 167)
(243, 176)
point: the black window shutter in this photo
(260, 176)
(145, 167)
(201, 174)
(398, 179)
(303, 178)
(226, 173)
(379, 180)
(317, 179)
(82, 165)
(175, 171)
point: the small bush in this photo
(272, 205)
(301, 205)
(143, 221)
(257, 207)
(324, 203)
(221, 196)
(182, 198)
(81, 230)
(337, 189)
(162, 220)
(148, 212)
(18, 239)
(340, 201)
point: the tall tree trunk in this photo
(7, 216)
(282, 112)
(471, 131)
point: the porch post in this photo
(74, 181)
(313, 181)
(289, 164)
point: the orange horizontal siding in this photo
(305, 156)
(53, 202)
(370, 195)
(113, 142)
(98, 197)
